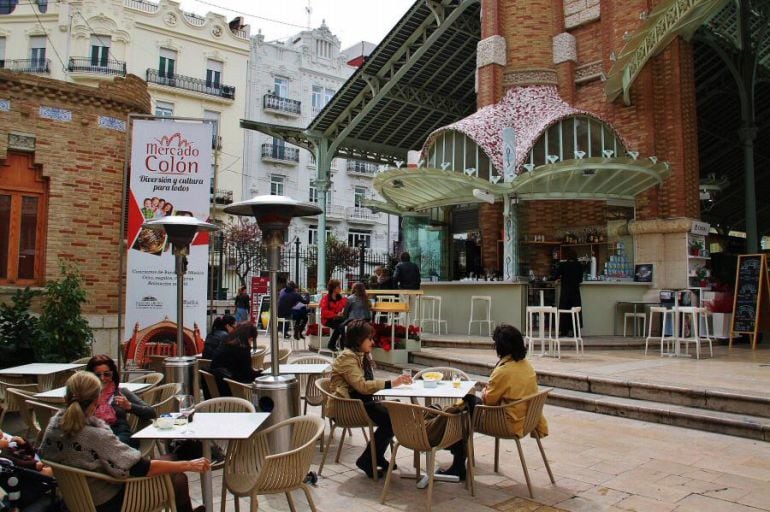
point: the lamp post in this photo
(277, 394)
(180, 231)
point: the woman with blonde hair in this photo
(76, 437)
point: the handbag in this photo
(435, 424)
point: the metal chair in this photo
(410, 430)
(495, 421)
(253, 468)
(140, 494)
(346, 414)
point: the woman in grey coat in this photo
(358, 306)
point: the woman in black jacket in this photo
(233, 358)
(220, 329)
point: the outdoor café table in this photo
(206, 427)
(57, 394)
(416, 389)
(392, 309)
(45, 372)
(304, 369)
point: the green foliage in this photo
(64, 333)
(338, 255)
(18, 329)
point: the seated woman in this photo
(358, 306)
(233, 359)
(513, 378)
(220, 328)
(76, 428)
(352, 377)
(332, 309)
(291, 304)
(114, 404)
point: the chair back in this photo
(152, 378)
(310, 393)
(161, 393)
(211, 383)
(11, 381)
(153, 494)
(258, 358)
(225, 404)
(346, 412)
(204, 364)
(494, 420)
(16, 400)
(411, 428)
(283, 355)
(535, 406)
(240, 390)
(43, 413)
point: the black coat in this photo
(232, 362)
(289, 298)
(571, 275)
(407, 276)
(214, 340)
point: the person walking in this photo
(242, 305)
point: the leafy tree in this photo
(18, 329)
(64, 334)
(339, 255)
(244, 239)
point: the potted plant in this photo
(721, 308)
(696, 247)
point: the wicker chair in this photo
(152, 378)
(161, 393)
(211, 383)
(252, 469)
(410, 430)
(449, 373)
(11, 381)
(141, 494)
(82, 360)
(310, 393)
(258, 358)
(347, 414)
(283, 357)
(43, 413)
(240, 390)
(494, 421)
(224, 404)
(15, 401)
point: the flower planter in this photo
(394, 356)
(412, 345)
(721, 323)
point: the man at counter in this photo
(407, 274)
(570, 275)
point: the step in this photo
(718, 400)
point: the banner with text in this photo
(170, 175)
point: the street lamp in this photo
(277, 394)
(180, 231)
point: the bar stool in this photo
(694, 336)
(577, 335)
(705, 315)
(484, 301)
(547, 320)
(380, 315)
(634, 317)
(665, 313)
(432, 301)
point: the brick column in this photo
(528, 29)
(490, 56)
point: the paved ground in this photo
(600, 462)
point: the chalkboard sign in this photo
(750, 294)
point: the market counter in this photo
(599, 299)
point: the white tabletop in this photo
(60, 392)
(210, 425)
(309, 368)
(40, 368)
(416, 389)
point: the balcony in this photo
(280, 154)
(222, 196)
(362, 215)
(362, 168)
(280, 105)
(28, 65)
(191, 84)
(334, 211)
(89, 65)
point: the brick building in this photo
(62, 151)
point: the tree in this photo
(244, 241)
(338, 255)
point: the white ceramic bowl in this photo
(431, 379)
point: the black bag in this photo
(26, 487)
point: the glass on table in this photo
(456, 380)
(186, 409)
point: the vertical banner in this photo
(170, 175)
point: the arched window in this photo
(23, 216)
(571, 135)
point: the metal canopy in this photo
(411, 190)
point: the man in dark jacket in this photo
(407, 274)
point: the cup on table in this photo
(455, 381)
(407, 372)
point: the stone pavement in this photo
(600, 462)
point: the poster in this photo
(170, 175)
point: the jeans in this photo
(338, 324)
(241, 315)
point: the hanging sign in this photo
(170, 175)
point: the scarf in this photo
(368, 372)
(104, 410)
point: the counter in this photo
(599, 298)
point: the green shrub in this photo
(18, 329)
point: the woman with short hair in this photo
(76, 437)
(353, 377)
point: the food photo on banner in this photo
(170, 175)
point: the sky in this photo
(350, 20)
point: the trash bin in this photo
(278, 395)
(181, 369)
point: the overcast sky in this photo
(350, 20)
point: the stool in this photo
(577, 335)
(705, 314)
(283, 323)
(388, 316)
(432, 301)
(664, 312)
(634, 317)
(694, 336)
(483, 300)
(546, 315)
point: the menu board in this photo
(748, 286)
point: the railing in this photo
(191, 84)
(88, 65)
(359, 213)
(29, 65)
(361, 167)
(222, 196)
(277, 152)
(333, 210)
(240, 32)
(141, 5)
(273, 102)
(194, 19)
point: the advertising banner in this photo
(170, 175)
